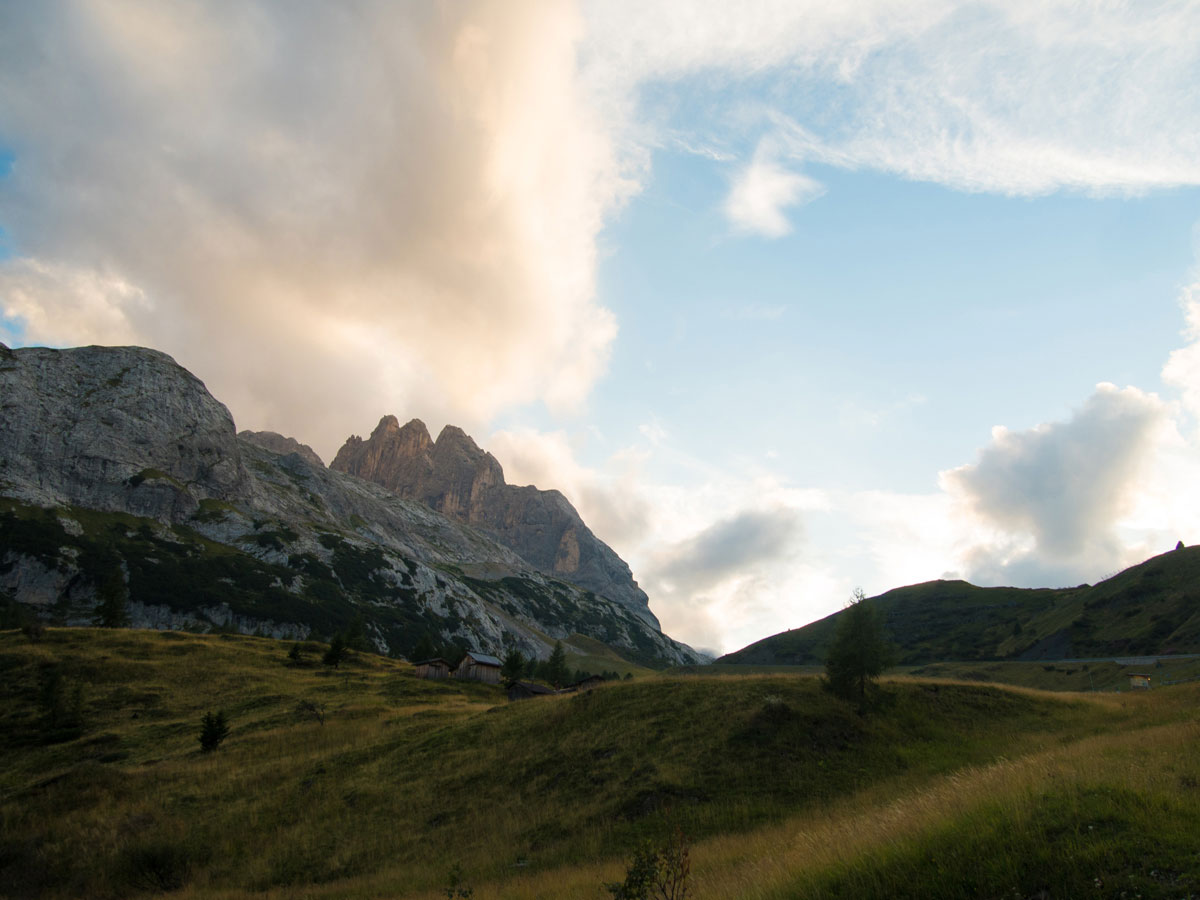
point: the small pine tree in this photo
(556, 666)
(337, 651)
(213, 730)
(860, 651)
(513, 667)
(295, 655)
(112, 610)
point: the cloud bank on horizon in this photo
(377, 207)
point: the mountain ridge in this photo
(118, 470)
(1152, 608)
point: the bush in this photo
(213, 730)
(158, 866)
(61, 704)
(660, 874)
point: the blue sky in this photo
(794, 299)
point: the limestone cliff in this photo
(454, 476)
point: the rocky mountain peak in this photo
(464, 482)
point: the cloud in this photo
(1182, 369)
(352, 207)
(1018, 98)
(1055, 493)
(762, 192)
(730, 546)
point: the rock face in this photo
(277, 443)
(120, 472)
(114, 428)
(463, 482)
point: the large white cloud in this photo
(338, 207)
(1059, 490)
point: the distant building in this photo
(523, 690)
(1139, 682)
(432, 668)
(587, 683)
(479, 667)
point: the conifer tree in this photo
(513, 667)
(860, 651)
(213, 730)
(556, 666)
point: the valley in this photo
(964, 789)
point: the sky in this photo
(788, 298)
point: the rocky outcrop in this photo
(454, 476)
(277, 443)
(114, 428)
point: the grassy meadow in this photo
(944, 789)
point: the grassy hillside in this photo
(406, 779)
(1151, 608)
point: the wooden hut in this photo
(588, 683)
(432, 668)
(523, 690)
(479, 667)
(1139, 682)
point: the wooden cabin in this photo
(523, 690)
(1139, 682)
(432, 668)
(587, 683)
(479, 667)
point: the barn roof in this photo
(534, 688)
(484, 659)
(430, 662)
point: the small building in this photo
(479, 667)
(523, 690)
(1139, 682)
(436, 668)
(587, 683)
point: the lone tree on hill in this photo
(337, 651)
(213, 730)
(860, 651)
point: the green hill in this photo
(1149, 609)
(104, 791)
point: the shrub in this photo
(61, 705)
(660, 874)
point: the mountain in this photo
(122, 477)
(1152, 608)
(277, 443)
(455, 477)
